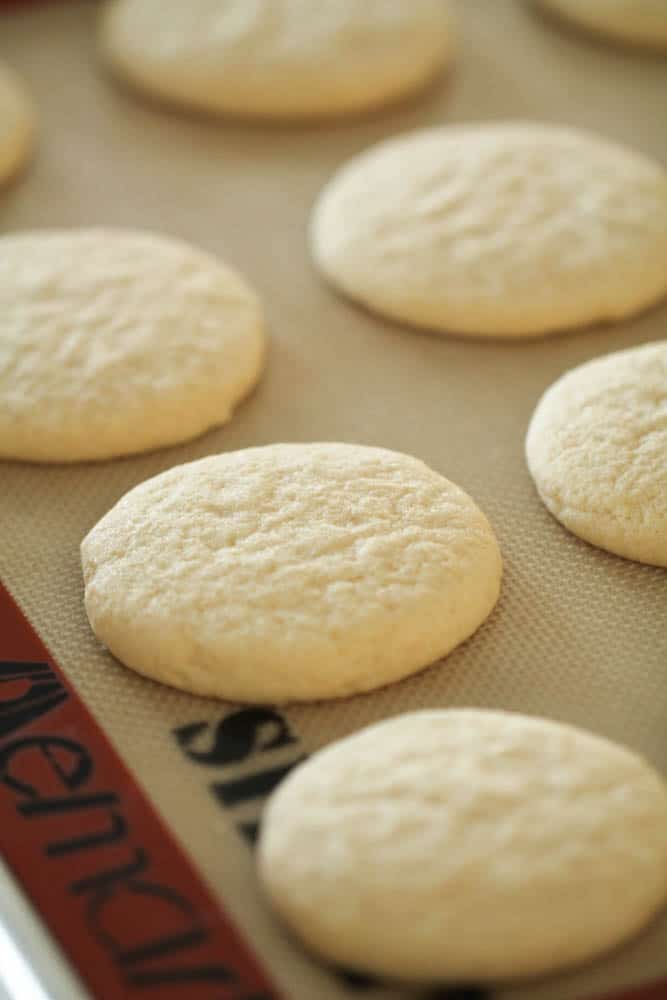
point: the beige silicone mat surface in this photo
(578, 635)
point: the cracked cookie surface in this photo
(290, 572)
(466, 845)
(114, 342)
(514, 229)
(597, 451)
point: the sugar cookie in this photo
(642, 22)
(17, 123)
(114, 342)
(451, 845)
(290, 572)
(511, 230)
(597, 450)
(277, 58)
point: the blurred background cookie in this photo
(639, 22)
(17, 123)
(514, 229)
(277, 58)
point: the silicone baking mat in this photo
(143, 870)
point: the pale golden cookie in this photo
(514, 229)
(290, 572)
(597, 450)
(466, 845)
(114, 342)
(277, 58)
(641, 22)
(17, 123)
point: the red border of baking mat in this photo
(104, 872)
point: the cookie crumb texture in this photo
(114, 342)
(597, 451)
(460, 845)
(290, 572)
(277, 58)
(505, 230)
(17, 124)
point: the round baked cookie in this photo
(114, 342)
(277, 58)
(466, 845)
(501, 230)
(17, 123)
(641, 22)
(291, 572)
(597, 450)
